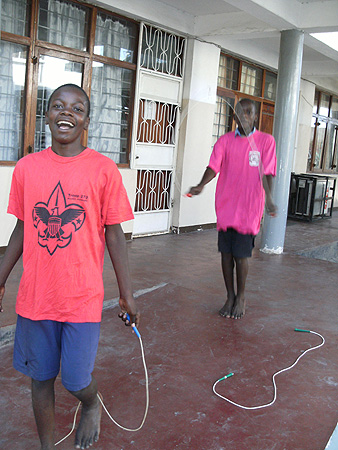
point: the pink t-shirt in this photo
(65, 204)
(241, 163)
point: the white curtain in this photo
(12, 81)
(66, 24)
(110, 91)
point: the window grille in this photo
(162, 51)
(157, 122)
(223, 116)
(153, 190)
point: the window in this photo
(238, 79)
(228, 72)
(323, 147)
(251, 80)
(70, 43)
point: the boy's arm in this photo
(267, 185)
(13, 253)
(208, 175)
(117, 248)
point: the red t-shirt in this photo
(65, 204)
(241, 163)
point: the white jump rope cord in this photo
(104, 406)
(273, 377)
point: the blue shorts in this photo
(239, 245)
(41, 346)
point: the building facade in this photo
(163, 86)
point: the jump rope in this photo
(273, 377)
(137, 333)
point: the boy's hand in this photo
(195, 190)
(130, 308)
(271, 208)
(2, 293)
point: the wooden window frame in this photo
(35, 47)
(238, 95)
(328, 120)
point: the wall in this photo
(7, 221)
(195, 139)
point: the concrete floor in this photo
(178, 282)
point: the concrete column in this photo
(286, 111)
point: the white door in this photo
(158, 96)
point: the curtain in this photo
(65, 25)
(12, 82)
(110, 92)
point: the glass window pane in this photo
(162, 51)
(324, 105)
(115, 38)
(315, 103)
(334, 108)
(15, 17)
(251, 80)
(270, 87)
(228, 72)
(12, 86)
(313, 127)
(335, 150)
(53, 72)
(110, 106)
(320, 136)
(223, 116)
(63, 23)
(331, 143)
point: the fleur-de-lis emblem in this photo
(56, 221)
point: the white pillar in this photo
(285, 125)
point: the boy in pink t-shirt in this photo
(246, 162)
(69, 202)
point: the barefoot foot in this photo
(89, 427)
(238, 309)
(226, 310)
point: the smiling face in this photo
(245, 116)
(67, 115)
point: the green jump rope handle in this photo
(303, 331)
(226, 376)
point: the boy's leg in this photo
(88, 430)
(43, 399)
(242, 268)
(79, 348)
(228, 275)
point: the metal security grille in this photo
(156, 124)
(162, 51)
(153, 190)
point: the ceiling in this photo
(251, 29)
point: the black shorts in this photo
(239, 245)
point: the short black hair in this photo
(246, 100)
(70, 85)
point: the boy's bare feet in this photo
(89, 427)
(238, 309)
(226, 310)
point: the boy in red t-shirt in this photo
(69, 202)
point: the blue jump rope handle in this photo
(133, 327)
